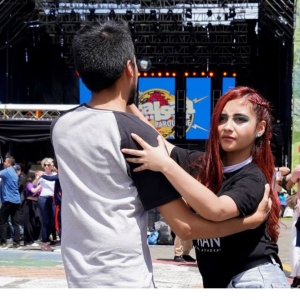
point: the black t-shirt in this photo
(220, 259)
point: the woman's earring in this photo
(257, 135)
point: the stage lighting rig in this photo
(112, 14)
(73, 16)
(189, 26)
(52, 15)
(144, 64)
(232, 13)
(129, 15)
(153, 16)
(132, 27)
(155, 27)
(188, 13)
(209, 26)
(92, 16)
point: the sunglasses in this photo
(45, 165)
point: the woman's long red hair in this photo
(210, 165)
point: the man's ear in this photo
(129, 69)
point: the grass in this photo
(286, 219)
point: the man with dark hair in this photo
(11, 202)
(21, 181)
(104, 203)
(21, 186)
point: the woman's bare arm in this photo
(188, 225)
(199, 197)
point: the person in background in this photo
(21, 182)
(282, 195)
(295, 232)
(32, 215)
(182, 250)
(11, 203)
(57, 200)
(46, 202)
(21, 185)
(282, 174)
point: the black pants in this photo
(9, 209)
(282, 209)
(32, 221)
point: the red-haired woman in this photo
(233, 171)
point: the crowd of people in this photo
(28, 205)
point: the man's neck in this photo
(108, 100)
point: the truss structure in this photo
(52, 4)
(166, 31)
(32, 111)
(279, 17)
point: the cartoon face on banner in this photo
(158, 106)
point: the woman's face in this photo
(237, 130)
(47, 166)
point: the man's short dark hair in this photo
(11, 160)
(101, 51)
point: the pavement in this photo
(33, 268)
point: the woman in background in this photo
(31, 212)
(46, 202)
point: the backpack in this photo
(153, 237)
(165, 235)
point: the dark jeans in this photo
(282, 209)
(9, 209)
(46, 206)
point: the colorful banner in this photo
(157, 103)
(198, 108)
(84, 93)
(228, 83)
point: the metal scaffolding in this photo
(279, 17)
(32, 111)
(167, 32)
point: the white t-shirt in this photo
(48, 186)
(104, 203)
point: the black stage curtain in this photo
(25, 131)
(26, 140)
